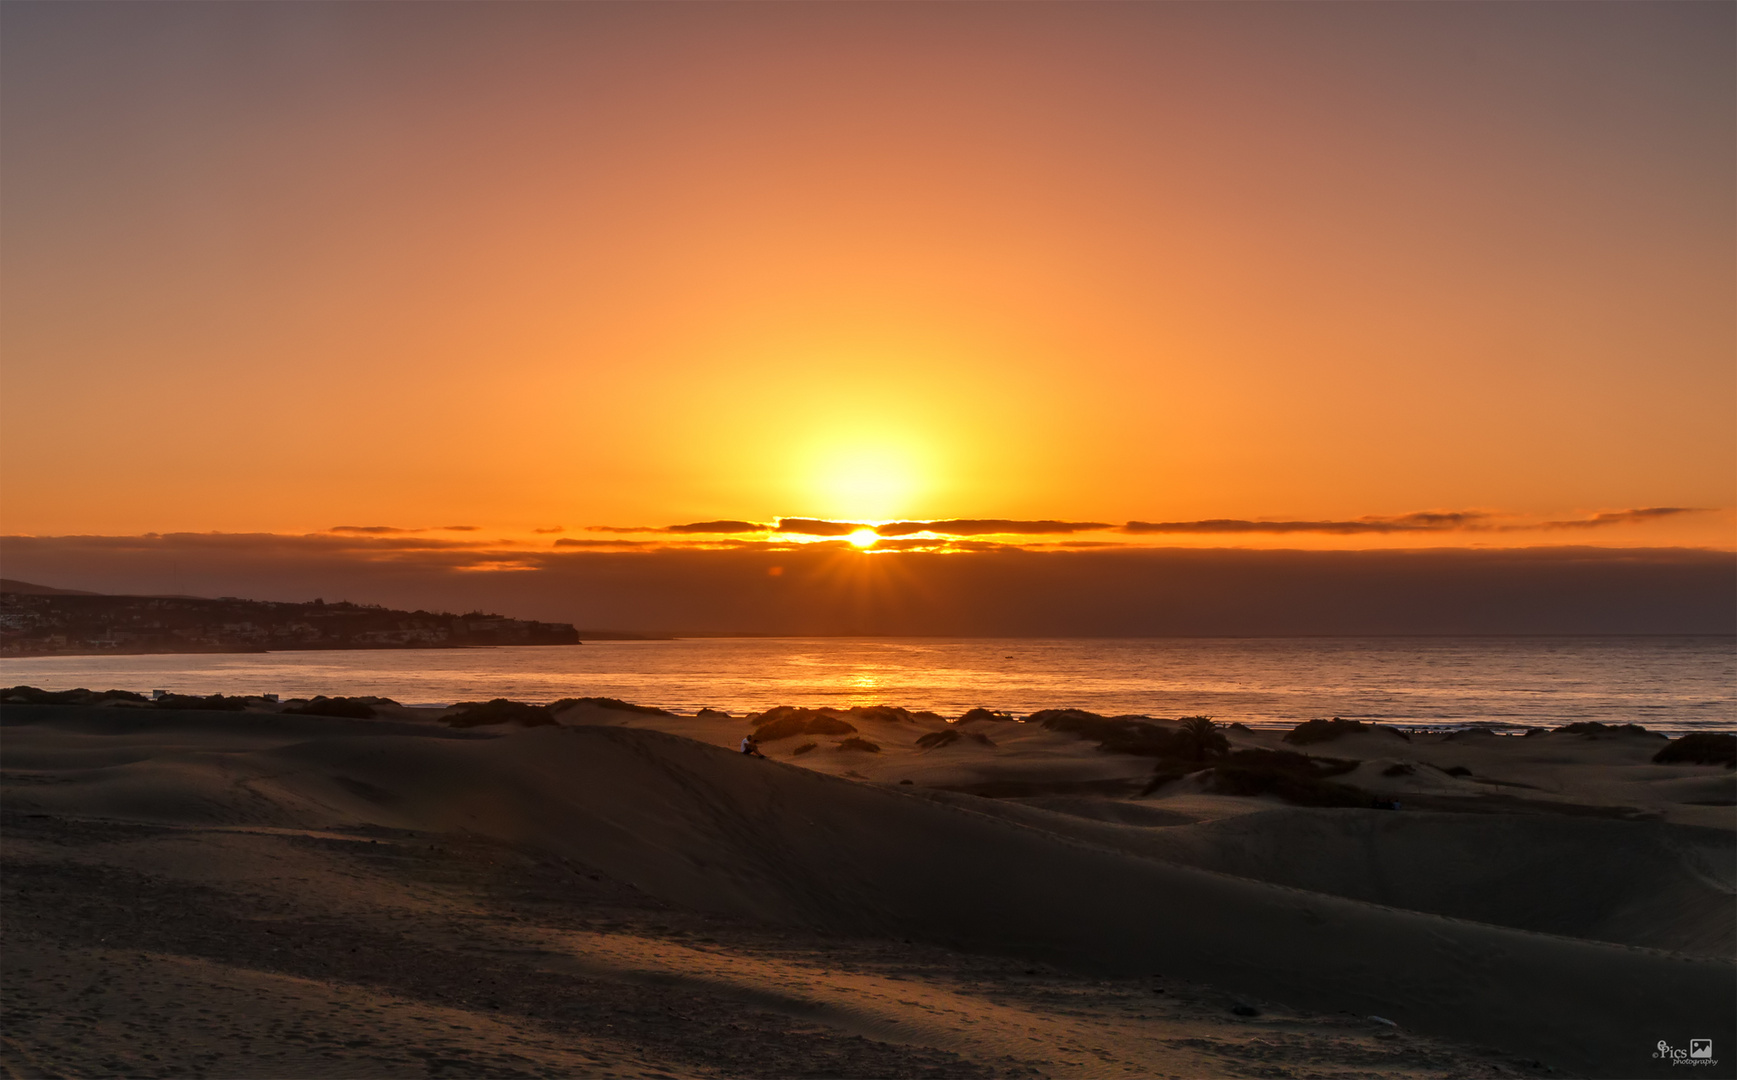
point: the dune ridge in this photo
(700, 827)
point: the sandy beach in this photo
(623, 893)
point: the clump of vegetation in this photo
(864, 745)
(499, 711)
(1116, 734)
(1592, 729)
(980, 713)
(1199, 738)
(1700, 748)
(1319, 731)
(215, 702)
(804, 748)
(351, 708)
(892, 714)
(1457, 770)
(615, 704)
(712, 714)
(785, 721)
(1293, 777)
(1398, 768)
(781, 728)
(936, 739)
(30, 695)
(1198, 741)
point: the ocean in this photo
(1665, 683)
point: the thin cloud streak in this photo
(990, 527)
(1617, 517)
(1426, 521)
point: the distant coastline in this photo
(41, 621)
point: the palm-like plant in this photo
(1201, 738)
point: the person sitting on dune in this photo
(751, 746)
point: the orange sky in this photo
(278, 268)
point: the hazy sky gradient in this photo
(278, 267)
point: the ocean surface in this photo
(1664, 683)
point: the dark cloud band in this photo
(1429, 521)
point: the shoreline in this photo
(273, 702)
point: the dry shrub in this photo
(1295, 778)
(212, 701)
(30, 695)
(349, 708)
(1318, 731)
(499, 711)
(859, 744)
(1701, 748)
(615, 704)
(1592, 729)
(784, 721)
(1117, 734)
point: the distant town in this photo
(55, 622)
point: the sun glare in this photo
(875, 482)
(863, 538)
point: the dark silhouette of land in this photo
(37, 620)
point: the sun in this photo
(863, 538)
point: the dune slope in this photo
(707, 829)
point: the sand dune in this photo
(1576, 941)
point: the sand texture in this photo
(252, 894)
